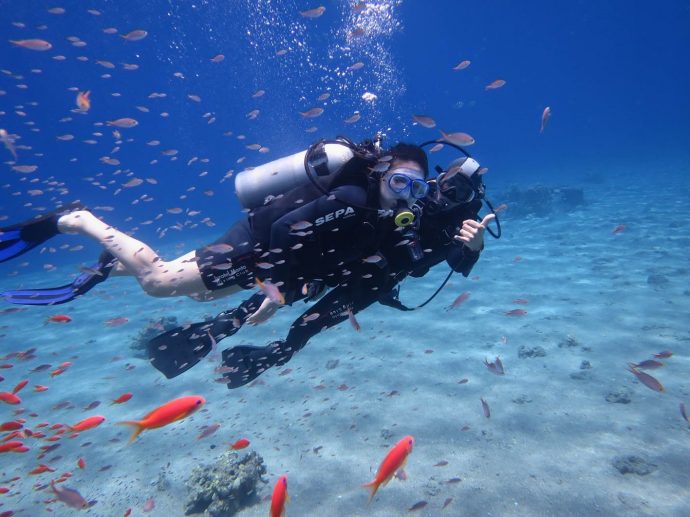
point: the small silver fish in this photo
(485, 407)
(69, 496)
(373, 259)
(353, 321)
(684, 413)
(8, 141)
(495, 367)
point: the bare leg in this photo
(179, 277)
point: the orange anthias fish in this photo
(10, 398)
(395, 460)
(88, 423)
(60, 318)
(280, 497)
(646, 379)
(122, 398)
(84, 100)
(41, 469)
(168, 413)
(459, 300)
(240, 444)
(271, 291)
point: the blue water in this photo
(615, 77)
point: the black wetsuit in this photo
(366, 284)
(301, 236)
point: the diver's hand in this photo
(263, 313)
(472, 232)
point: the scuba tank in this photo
(317, 164)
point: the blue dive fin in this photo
(65, 293)
(17, 239)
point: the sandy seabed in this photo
(595, 298)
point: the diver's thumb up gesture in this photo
(472, 232)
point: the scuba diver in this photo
(321, 209)
(448, 230)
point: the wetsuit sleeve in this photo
(293, 254)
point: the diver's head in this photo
(461, 182)
(403, 182)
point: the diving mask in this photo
(399, 181)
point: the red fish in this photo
(646, 379)
(149, 505)
(618, 229)
(10, 398)
(57, 371)
(664, 355)
(87, 423)
(11, 426)
(19, 386)
(280, 498)
(168, 413)
(459, 300)
(39, 388)
(516, 312)
(240, 444)
(395, 460)
(41, 469)
(81, 463)
(122, 398)
(10, 446)
(60, 318)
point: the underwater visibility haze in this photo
(552, 379)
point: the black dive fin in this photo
(176, 351)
